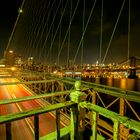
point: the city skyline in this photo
(117, 51)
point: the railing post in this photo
(124, 132)
(116, 130)
(94, 127)
(74, 123)
(77, 113)
(8, 131)
(36, 127)
(52, 98)
(93, 93)
(58, 124)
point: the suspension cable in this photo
(14, 28)
(39, 25)
(101, 33)
(68, 29)
(46, 24)
(128, 53)
(84, 32)
(68, 53)
(29, 30)
(50, 30)
(82, 46)
(58, 27)
(113, 32)
(33, 29)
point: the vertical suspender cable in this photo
(101, 33)
(82, 47)
(128, 53)
(34, 27)
(46, 39)
(113, 32)
(60, 28)
(75, 9)
(30, 26)
(68, 53)
(83, 34)
(13, 31)
(52, 32)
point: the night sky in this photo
(8, 15)
(91, 53)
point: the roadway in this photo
(23, 128)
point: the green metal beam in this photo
(113, 91)
(29, 113)
(130, 123)
(45, 95)
(28, 82)
(120, 94)
(63, 132)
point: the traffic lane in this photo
(47, 122)
(20, 129)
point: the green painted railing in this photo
(77, 102)
(116, 119)
(8, 119)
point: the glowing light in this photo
(20, 11)
(13, 68)
(55, 72)
(2, 65)
(10, 51)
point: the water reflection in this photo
(124, 83)
(128, 84)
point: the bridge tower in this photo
(132, 68)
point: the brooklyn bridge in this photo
(70, 70)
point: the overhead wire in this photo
(112, 35)
(69, 39)
(45, 27)
(47, 35)
(129, 17)
(14, 28)
(35, 27)
(34, 15)
(59, 41)
(75, 9)
(57, 29)
(28, 26)
(83, 27)
(101, 33)
(39, 26)
(84, 32)
(20, 34)
(52, 32)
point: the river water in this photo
(123, 83)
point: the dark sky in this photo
(117, 49)
(8, 15)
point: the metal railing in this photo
(116, 118)
(8, 119)
(115, 92)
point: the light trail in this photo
(47, 122)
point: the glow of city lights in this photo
(10, 51)
(13, 68)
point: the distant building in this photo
(10, 58)
(30, 61)
(18, 61)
